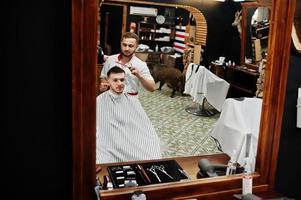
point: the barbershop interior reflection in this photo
(219, 106)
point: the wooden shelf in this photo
(149, 32)
(189, 165)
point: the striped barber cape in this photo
(124, 132)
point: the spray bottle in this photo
(247, 179)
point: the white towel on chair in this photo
(202, 83)
(238, 119)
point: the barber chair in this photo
(237, 128)
(201, 110)
(205, 88)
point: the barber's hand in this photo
(135, 71)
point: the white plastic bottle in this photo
(247, 180)
(156, 48)
(232, 165)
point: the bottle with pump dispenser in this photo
(247, 179)
(232, 164)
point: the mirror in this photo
(180, 132)
(255, 33)
(84, 20)
(169, 118)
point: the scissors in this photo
(153, 170)
(161, 168)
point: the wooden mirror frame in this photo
(244, 6)
(84, 37)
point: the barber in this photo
(136, 70)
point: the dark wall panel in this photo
(288, 171)
(36, 100)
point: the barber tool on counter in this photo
(208, 169)
(138, 174)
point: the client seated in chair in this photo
(123, 130)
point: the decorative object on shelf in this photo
(160, 19)
(237, 21)
(166, 49)
(260, 80)
(180, 19)
(145, 19)
(133, 27)
(142, 48)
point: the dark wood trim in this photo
(84, 36)
(84, 56)
(203, 187)
(275, 85)
(124, 14)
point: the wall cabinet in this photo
(242, 82)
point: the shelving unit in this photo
(153, 34)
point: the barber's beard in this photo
(128, 56)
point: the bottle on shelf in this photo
(156, 48)
(247, 179)
(232, 164)
(229, 63)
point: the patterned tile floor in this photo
(180, 132)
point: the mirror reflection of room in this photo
(254, 46)
(206, 100)
(257, 34)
